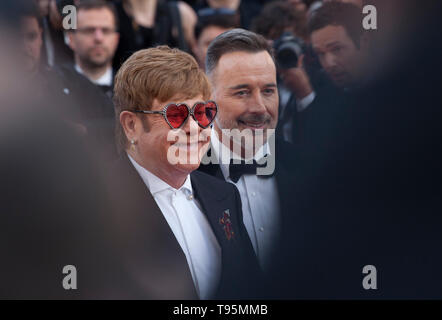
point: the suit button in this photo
(261, 229)
(253, 194)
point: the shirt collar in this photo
(155, 184)
(104, 80)
(223, 154)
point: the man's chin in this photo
(189, 167)
(98, 62)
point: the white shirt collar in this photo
(155, 184)
(223, 154)
(104, 80)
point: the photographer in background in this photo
(284, 24)
(341, 46)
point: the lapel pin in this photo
(227, 224)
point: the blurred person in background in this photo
(342, 47)
(56, 51)
(339, 41)
(358, 3)
(211, 23)
(247, 9)
(299, 5)
(278, 17)
(95, 41)
(86, 86)
(31, 30)
(285, 27)
(197, 219)
(147, 23)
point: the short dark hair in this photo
(30, 9)
(338, 13)
(233, 41)
(225, 21)
(276, 16)
(99, 4)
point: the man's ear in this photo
(71, 44)
(131, 124)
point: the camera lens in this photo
(287, 58)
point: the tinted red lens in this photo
(205, 113)
(177, 114)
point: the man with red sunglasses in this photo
(180, 231)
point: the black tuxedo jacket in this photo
(150, 252)
(283, 250)
(283, 173)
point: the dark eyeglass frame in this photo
(88, 31)
(163, 112)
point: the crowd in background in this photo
(77, 66)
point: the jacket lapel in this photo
(211, 168)
(222, 207)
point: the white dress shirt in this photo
(260, 204)
(104, 80)
(191, 229)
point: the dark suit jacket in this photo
(282, 252)
(150, 252)
(87, 104)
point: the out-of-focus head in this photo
(95, 40)
(43, 7)
(299, 5)
(32, 37)
(149, 80)
(242, 72)
(278, 17)
(211, 23)
(358, 3)
(339, 40)
(231, 4)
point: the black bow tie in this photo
(237, 170)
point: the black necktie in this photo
(237, 170)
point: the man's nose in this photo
(98, 34)
(329, 60)
(191, 126)
(26, 46)
(257, 104)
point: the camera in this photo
(288, 49)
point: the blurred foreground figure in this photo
(53, 205)
(94, 43)
(371, 196)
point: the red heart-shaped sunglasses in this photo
(176, 114)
